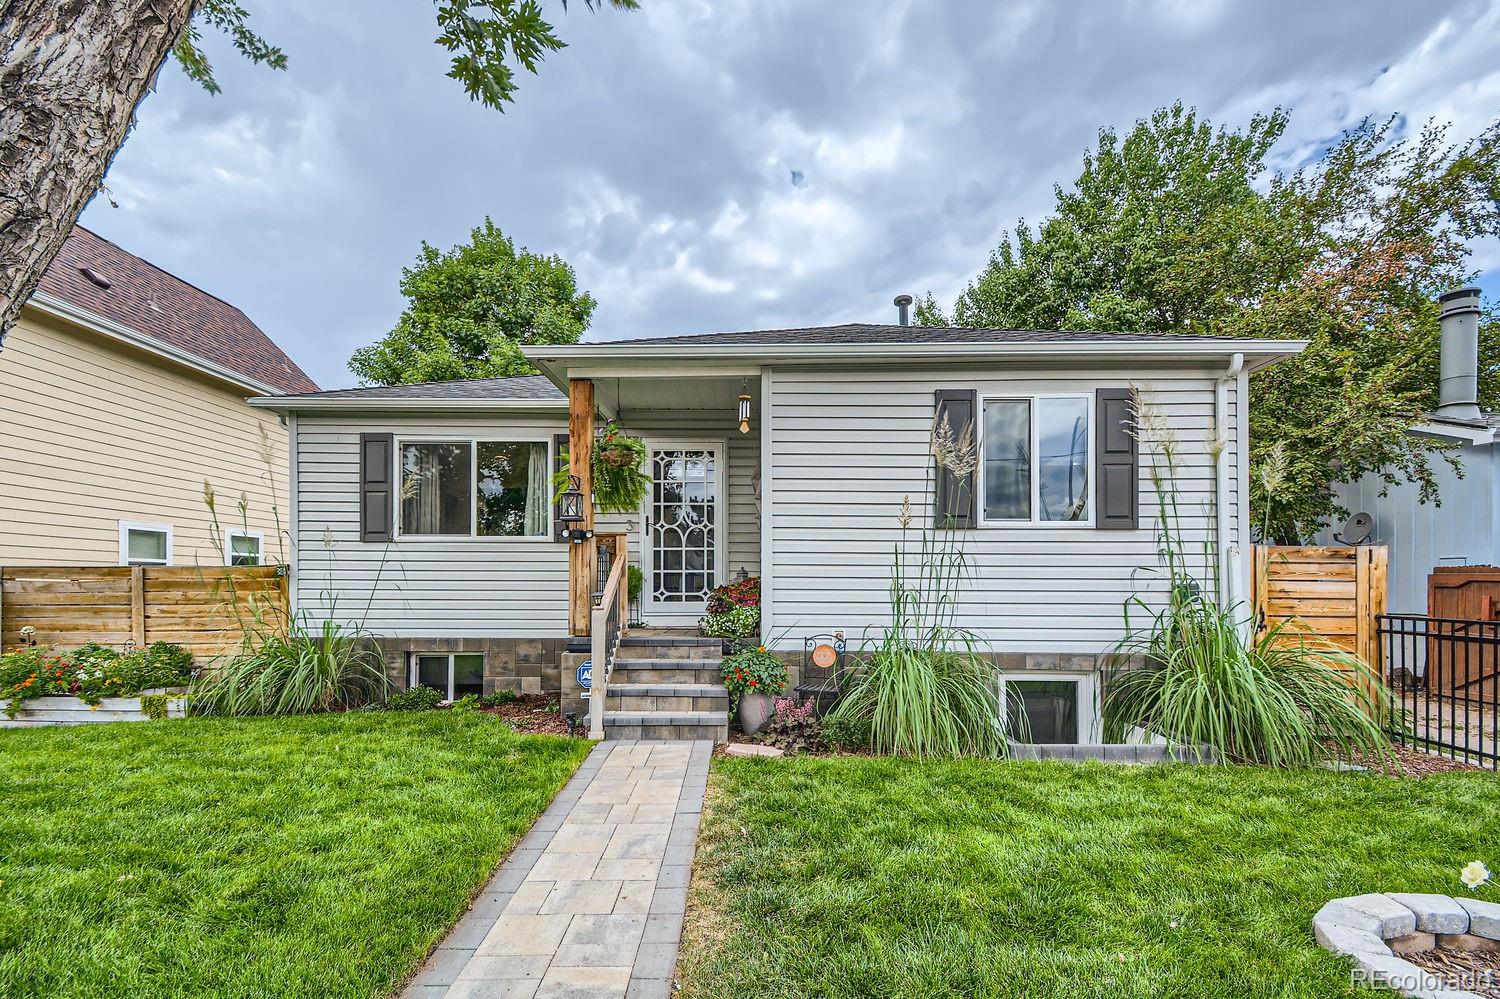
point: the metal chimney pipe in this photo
(903, 313)
(1458, 391)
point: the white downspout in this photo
(1229, 554)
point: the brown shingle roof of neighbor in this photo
(164, 307)
(524, 388)
(862, 333)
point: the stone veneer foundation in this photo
(525, 665)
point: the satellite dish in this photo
(1356, 530)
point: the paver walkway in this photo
(590, 903)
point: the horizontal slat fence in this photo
(1332, 593)
(202, 609)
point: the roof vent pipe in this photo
(903, 310)
(1458, 391)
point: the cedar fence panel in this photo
(204, 610)
(1334, 594)
(1464, 603)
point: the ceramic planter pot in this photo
(754, 710)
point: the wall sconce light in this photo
(570, 503)
(570, 511)
(744, 408)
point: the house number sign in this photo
(824, 656)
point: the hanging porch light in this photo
(744, 408)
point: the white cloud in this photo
(656, 152)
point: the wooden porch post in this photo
(580, 463)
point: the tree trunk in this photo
(71, 74)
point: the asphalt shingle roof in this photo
(866, 333)
(164, 307)
(527, 388)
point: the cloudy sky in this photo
(731, 164)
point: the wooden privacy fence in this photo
(188, 606)
(1333, 593)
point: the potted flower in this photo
(753, 676)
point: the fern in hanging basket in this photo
(618, 466)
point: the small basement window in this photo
(145, 544)
(1052, 710)
(455, 674)
(243, 547)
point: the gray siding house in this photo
(1463, 528)
(1059, 524)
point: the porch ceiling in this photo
(626, 395)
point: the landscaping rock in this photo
(1373, 913)
(1484, 917)
(1435, 913)
(1345, 940)
(750, 749)
(1412, 943)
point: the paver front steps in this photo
(667, 688)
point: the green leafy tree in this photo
(72, 75)
(470, 309)
(1183, 228)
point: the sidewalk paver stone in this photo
(590, 903)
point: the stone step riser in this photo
(698, 650)
(718, 733)
(660, 702)
(657, 674)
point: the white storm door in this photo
(684, 528)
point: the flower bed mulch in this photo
(1476, 972)
(1415, 763)
(536, 714)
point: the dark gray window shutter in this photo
(955, 495)
(377, 468)
(560, 456)
(1116, 460)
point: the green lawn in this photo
(845, 877)
(317, 856)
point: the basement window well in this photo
(455, 674)
(1052, 709)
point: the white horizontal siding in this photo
(417, 587)
(466, 587)
(849, 447)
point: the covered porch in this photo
(700, 524)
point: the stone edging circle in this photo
(1375, 929)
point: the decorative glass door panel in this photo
(682, 527)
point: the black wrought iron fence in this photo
(1444, 675)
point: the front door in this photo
(683, 545)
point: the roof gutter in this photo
(57, 308)
(313, 404)
(554, 360)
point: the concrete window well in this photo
(1416, 944)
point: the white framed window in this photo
(145, 544)
(454, 673)
(243, 547)
(1036, 455)
(1052, 708)
(475, 488)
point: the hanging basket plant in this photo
(618, 466)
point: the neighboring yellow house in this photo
(122, 391)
